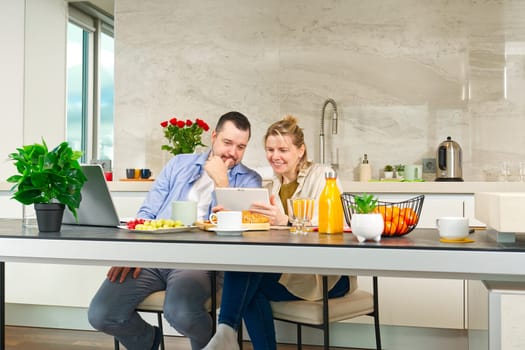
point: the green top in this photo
(287, 191)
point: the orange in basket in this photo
(400, 218)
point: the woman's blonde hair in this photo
(288, 126)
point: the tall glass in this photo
(28, 216)
(504, 171)
(300, 212)
(522, 171)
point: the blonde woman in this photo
(247, 294)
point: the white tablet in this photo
(233, 198)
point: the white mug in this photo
(227, 220)
(452, 227)
(185, 211)
(413, 172)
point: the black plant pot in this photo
(49, 216)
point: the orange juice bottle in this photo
(330, 206)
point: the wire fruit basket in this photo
(399, 218)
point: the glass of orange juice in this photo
(300, 212)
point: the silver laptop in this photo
(96, 207)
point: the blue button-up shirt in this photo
(179, 175)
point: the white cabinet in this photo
(496, 313)
(470, 212)
(60, 285)
(11, 209)
(420, 302)
(128, 203)
(417, 302)
(51, 284)
(438, 205)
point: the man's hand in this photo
(217, 169)
(115, 271)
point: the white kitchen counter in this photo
(114, 186)
(433, 187)
(354, 186)
(379, 187)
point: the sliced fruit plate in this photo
(155, 226)
(161, 230)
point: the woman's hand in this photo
(217, 208)
(277, 218)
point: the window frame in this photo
(94, 22)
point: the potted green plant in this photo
(50, 180)
(400, 171)
(366, 223)
(365, 203)
(388, 170)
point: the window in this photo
(90, 81)
(105, 130)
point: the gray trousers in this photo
(112, 309)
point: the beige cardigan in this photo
(311, 183)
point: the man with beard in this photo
(185, 177)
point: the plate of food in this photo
(155, 226)
(251, 221)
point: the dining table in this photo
(417, 254)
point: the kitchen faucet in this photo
(334, 128)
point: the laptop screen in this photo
(96, 207)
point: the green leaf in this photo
(45, 176)
(365, 203)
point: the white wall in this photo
(11, 83)
(45, 71)
(405, 75)
(33, 71)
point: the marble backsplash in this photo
(405, 75)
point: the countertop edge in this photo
(429, 187)
(433, 187)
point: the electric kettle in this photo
(449, 161)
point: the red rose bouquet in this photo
(183, 136)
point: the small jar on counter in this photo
(365, 170)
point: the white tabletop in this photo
(418, 254)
